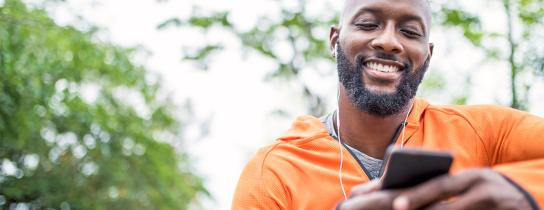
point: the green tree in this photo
(524, 22)
(81, 126)
(310, 51)
(296, 28)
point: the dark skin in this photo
(401, 27)
(360, 34)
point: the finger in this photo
(365, 188)
(375, 200)
(435, 190)
(468, 201)
(401, 203)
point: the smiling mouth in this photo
(382, 67)
(382, 71)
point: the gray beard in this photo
(378, 104)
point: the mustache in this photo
(385, 56)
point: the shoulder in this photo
(259, 186)
(474, 113)
(286, 153)
(489, 121)
(306, 136)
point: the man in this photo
(382, 50)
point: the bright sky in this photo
(232, 93)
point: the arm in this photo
(518, 153)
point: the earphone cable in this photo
(341, 155)
(340, 142)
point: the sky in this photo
(232, 94)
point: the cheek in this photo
(418, 55)
(353, 46)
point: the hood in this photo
(307, 126)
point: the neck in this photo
(367, 133)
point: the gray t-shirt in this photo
(372, 165)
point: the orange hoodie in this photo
(300, 170)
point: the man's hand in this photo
(369, 196)
(471, 189)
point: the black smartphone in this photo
(407, 167)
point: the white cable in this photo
(340, 145)
(339, 141)
(406, 123)
(341, 153)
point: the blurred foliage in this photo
(297, 28)
(525, 59)
(80, 124)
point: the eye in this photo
(367, 26)
(411, 33)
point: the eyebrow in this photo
(405, 17)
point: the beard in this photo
(372, 102)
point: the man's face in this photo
(384, 43)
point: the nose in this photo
(387, 41)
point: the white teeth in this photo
(381, 67)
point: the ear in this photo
(431, 48)
(333, 39)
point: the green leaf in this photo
(67, 105)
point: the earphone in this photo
(340, 140)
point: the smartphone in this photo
(407, 167)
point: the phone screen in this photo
(407, 167)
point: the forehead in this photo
(413, 8)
